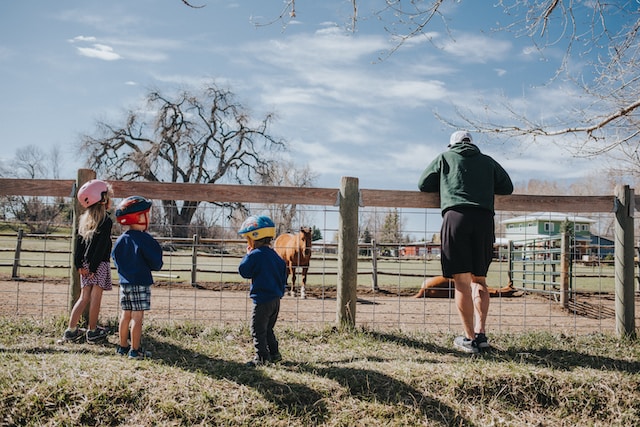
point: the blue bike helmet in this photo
(257, 227)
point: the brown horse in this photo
(295, 250)
(441, 287)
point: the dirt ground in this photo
(227, 304)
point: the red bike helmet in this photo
(133, 210)
(92, 192)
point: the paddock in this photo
(384, 311)
(200, 282)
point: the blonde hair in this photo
(91, 219)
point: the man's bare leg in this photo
(481, 301)
(464, 302)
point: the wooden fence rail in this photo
(349, 197)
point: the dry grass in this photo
(328, 377)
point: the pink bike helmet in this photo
(92, 192)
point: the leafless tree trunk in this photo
(205, 138)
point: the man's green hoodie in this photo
(465, 177)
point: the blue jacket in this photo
(268, 274)
(136, 254)
(465, 177)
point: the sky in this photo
(345, 104)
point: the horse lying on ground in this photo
(295, 250)
(441, 287)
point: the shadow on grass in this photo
(550, 358)
(301, 401)
(410, 342)
(374, 386)
(563, 360)
(298, 400)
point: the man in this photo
(467, 181)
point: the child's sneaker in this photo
(122, 351)
(466, 345)
(481, 340)
(256, 361)
(275, 358)
(72, 336)
(99, 335)
(139, 354)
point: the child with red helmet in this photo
(268, 275)
(136, 254)
(92, 251)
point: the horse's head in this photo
(305, 237)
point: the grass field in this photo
(328, 377)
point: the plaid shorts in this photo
(135, 297)
(102, 276)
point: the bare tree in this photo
(391, 231)
(605, 118)
(30, 162)
(55, 161)
(385, 226)
(287, 174)
(207, 138)
(38, 214)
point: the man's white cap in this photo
(458, 137)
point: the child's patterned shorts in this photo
(135, 297)
(101, 278)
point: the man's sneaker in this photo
(72, 336)
(139, 354)
(466, 345)
(122, 351)
(482, 341)
(256, 361)
(275, 358)
(96, 336)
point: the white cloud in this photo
(333, 69)
(82, 39)
(142, 49)
(99, 51)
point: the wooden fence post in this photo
(16, 258)
(624, 208)
(374, 265)
(348, 199)
(84, 175)
(194, 260)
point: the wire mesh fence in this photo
(397, 254)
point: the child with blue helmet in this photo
(267, 272)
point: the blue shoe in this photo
(122, 351)
(139, 354)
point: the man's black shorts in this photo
(467, 238)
